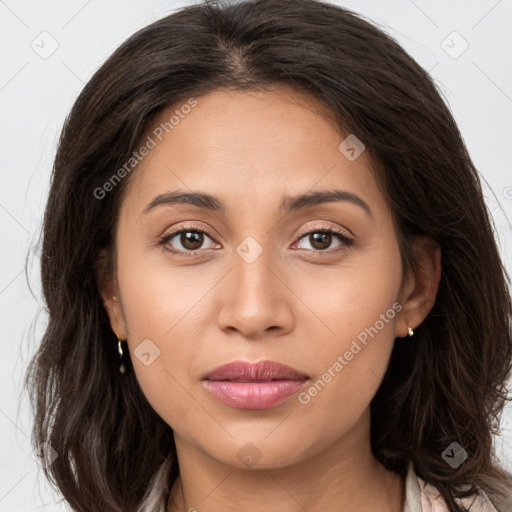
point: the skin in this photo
(289, 305)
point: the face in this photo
(314, 285)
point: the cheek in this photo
(163, 310)
(348, 371)
(358, 309)
(159, 297)
(345, 300)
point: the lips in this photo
(261, 385)
(263, 371)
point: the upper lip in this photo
(244, 371)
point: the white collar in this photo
(412, 492)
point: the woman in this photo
(271, 278)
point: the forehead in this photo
(249, 148)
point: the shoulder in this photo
(424, 497)
(431, 500)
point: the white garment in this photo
(424, 497)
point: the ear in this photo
(109, 293)
(419, 293)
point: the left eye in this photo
(321, 240)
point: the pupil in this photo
(323, 238)
(191, 240)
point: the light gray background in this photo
(36, 93)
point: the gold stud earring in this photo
(410, 331)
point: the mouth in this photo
(261, 385)
(245, 381)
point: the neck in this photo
(345, 473)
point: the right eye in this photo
(190, 239)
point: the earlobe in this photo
(109, 296)
(115, 314)
(421, 295)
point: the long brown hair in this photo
(447, 386)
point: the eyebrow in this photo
(288, 204)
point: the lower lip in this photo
(254, 395)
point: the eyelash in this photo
(321, 229)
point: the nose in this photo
(255, 298)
